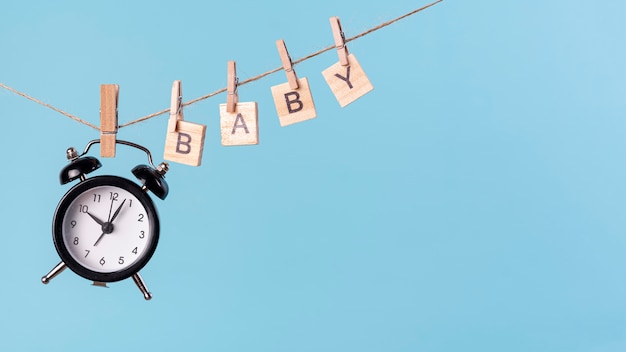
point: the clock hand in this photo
(100, 222)
(99, 238)
(117, 211)
(110, 208)
(107, 227)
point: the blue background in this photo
(473, 201)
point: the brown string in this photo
(249, 80)
(48, 106)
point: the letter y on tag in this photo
(348, 83)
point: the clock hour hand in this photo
(100, 222)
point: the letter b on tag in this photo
(294, 105)
(185, 146)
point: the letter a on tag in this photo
(348, 83)
(294, 105)
(241, 126)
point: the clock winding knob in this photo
(163, 168)
(71, 154)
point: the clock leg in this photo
(142, 286)
(54, 272)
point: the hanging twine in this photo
(222, 90)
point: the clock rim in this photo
(82, 187)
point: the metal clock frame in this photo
(100, 279)
(85, 186)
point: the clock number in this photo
(140, 218)
(102, 261)
(73, 223)
(142, 234)
(113, 195)
(121, 260)
(135, 250)
(130, 203)
(75, 241)
(83, 208)
(86, 250)
(96, 198)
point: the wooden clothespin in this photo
(176, 107)
(184, 141)
(233, 82)
(109, 94)
(287, 64)
(238, 121)
(340, 40)
(346, 78)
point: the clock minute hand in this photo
(107, 227)
(117, 211)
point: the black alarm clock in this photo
(106, 228)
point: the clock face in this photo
(106, 228)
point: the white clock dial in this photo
(106, 229)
